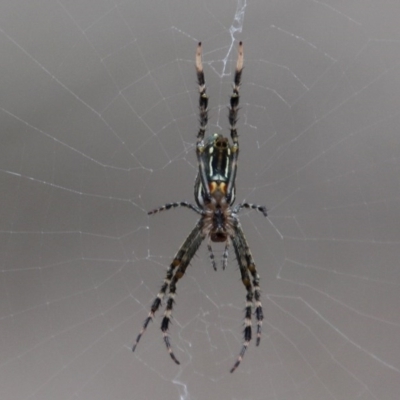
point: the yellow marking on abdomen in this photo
(214, 186)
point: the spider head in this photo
(220, 143)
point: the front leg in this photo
(203, 110)
(233, 112)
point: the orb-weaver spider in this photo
(214, 192)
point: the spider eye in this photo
(221, 143)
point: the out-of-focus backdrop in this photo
(99, 115)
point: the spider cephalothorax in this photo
(214, 192)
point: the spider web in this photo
(99, 117)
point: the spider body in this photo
(217, 219)
(214, 193)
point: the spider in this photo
(214, 192)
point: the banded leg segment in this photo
(156, 303)
(211, 254)
(246, 264)
(256, 279)
(187, 251)
(242, 261)
(233, 115)
(168, 206)
(225, 254)
(203, 99)
(203, 111)
(257, 207)
(184, 255)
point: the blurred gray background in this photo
(98, 108)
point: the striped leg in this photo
(241, 258)
(233, 112)
(246, 263)
(256, 287)
(203, 110)
(256, 281)
(183, 256)
(262, 209)
(203, 99)
(186, 252)
(156, 303)
(225, 254)
(168, 206)
(211, 253)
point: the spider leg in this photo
(233, 113)
(168, 206)
(257, 207)
(246, 262)
(241, 258)
(203, 99)
(212, 258)
(256, 282)
(203, 110)
(179, 258)
(225, 254)
(156, 303)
